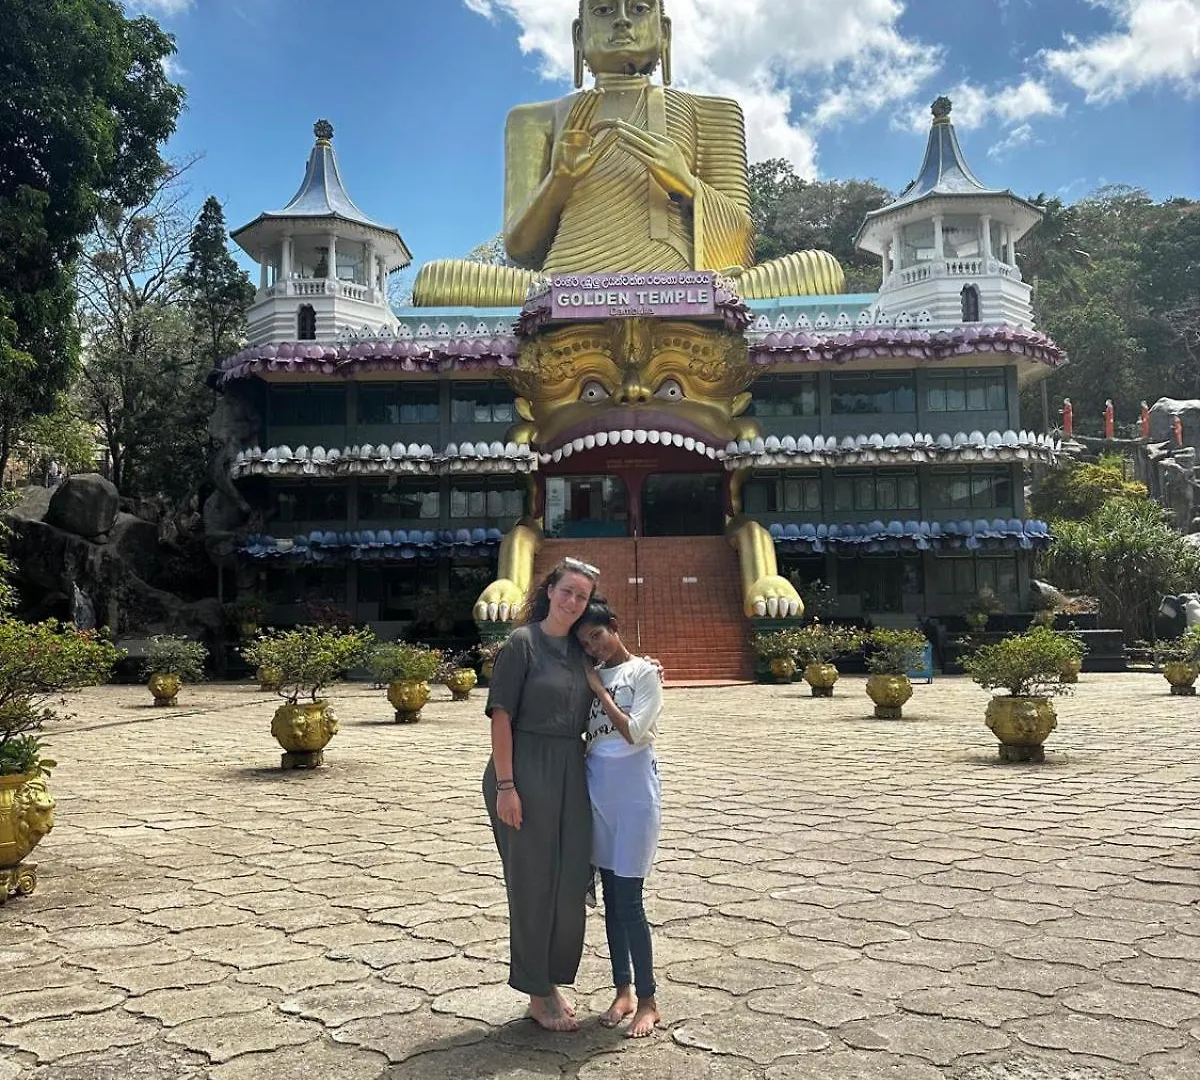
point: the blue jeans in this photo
(628, 933)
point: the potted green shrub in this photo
(894, 653)
(487, 652)
(406, 669)
(37, 664)
(1180, 660)
(1028, 667)
(817, 646)
(308, 659)
(170, 662)
(247, 613)
(457, 676)
(777, 650)
(981, 608)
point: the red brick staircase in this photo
(678, 599)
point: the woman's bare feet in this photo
(564, 1005)
(547, 1014)
(623, 1005)
(644, 1019)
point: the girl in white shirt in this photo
(623, 786)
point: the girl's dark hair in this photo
(597, 613)
(537, 607)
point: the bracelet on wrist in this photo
(506, 785)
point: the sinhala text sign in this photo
(685, 295)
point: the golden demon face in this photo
(662, 381)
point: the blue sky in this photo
(1060, 96)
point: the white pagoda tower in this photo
(324, 264)
(947, 244)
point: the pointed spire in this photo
(944, 171)
(322, 193)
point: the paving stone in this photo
(853, 1065)
(399, 1037)
(155, 1060)
(1068, 950)
(442, 976)
(51, 1040)
(1031, 975)
(799, 952)
(937, 1040)
(982, 1004)
(1168, 974)
(819, 1005)
(1121, 1040)
(1167, 1007)
(143, 980)
(223, 1038)
(299, 974)
(738, 979)
(314, 1061)
(173, 1007)
(337, 1005)
(494, 1004)
(1019, 1066)
(878, 979)
(483, 1061)
(667, 1061)
(762, 1038)
(385, 954)
(57, 1001)
(852, 932)
(942, 955)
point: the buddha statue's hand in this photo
(660, 154)
(578, 150)
(501, 601)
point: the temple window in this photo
(785, 395)
(292, 504)
(775, 492)
(319, 584)
(883, 583)
(970, 303)
(306, 323)
(398, 403)
(966, 575)
(499, 502)
(967, 390)
(586, 506)
(872, 392)
(351, 262)
(306, 406)
(396, 501)
(883, 489)
(394, 589)
(481, 403)
(976, 488)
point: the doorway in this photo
(683, 504)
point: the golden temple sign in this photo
(616, 296)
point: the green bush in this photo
(171, 655)
(1128, 557)
(1074, 492)
(774, 644)
(308, 658)
(37, 663)
(1185, 649)
(1026, 665)
(817, 643)
(895, 652)
(396, 661)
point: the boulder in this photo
(136, 541)
(1162, 414)
(84, 505)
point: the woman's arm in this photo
(508, 801)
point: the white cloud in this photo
(978, 106)
(844, 60)
(158, 7)
(1019, 136)
(1156, 41)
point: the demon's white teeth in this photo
(653, 437)
(589, 442)
(545, 459)
(601, 438)
(689, 443)
(639, 436)
(568, 450)
(578, 444)
(557, 455)
(614, 437)
(627, 436)
(677, 439)
(710, 453)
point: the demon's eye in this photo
(593, 391)
(670, 391)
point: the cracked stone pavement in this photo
(835, 897)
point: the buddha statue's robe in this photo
(618, 218)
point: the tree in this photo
(87, 105)
(218, 292)
(791, 214)
(1076, 491)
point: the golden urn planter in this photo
(165, 688)
(270, 679)
(408, 697)
(1069, 672)
(782, 668)
(821, 678)
(304, 730)
(460, 682)
(889, 692)
(1021, 724)
(26, 815)
(1181, 675)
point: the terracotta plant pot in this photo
(304, 731)
(408, 697)
(1021, 724)
(460, 683)
(164, 687)
(1181, 675)
(26, 815)
(889, 692)
(270, 679)
(782, 668)
(1069, 672)
(821, 678)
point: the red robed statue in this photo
(1109, 426)
(1145, 421)
(1068, 417)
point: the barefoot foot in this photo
(623, 1005)
(644, 1019)
(545, 1012)
(564, 1006)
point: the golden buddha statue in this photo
(627, 177)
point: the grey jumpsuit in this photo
(540, 682)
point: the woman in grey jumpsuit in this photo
(535, 787)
